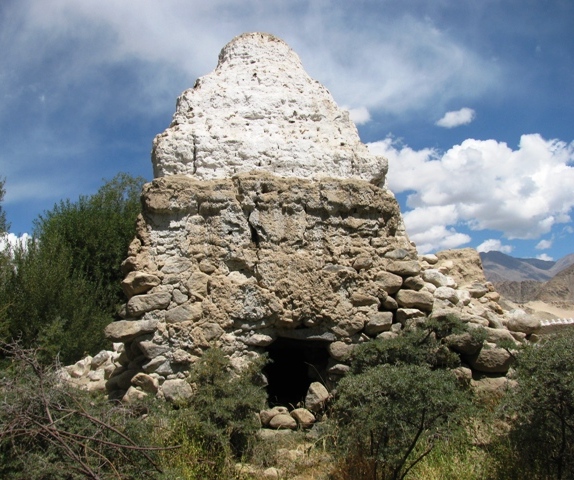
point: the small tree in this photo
(63, 288)
(423, 344)
(389, 418)
(226, 403)
(541, 409)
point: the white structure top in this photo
(259, 110)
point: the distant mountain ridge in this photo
(499, 267)
(527, 279)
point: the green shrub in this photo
(418, 345)
(226, 404)
(541, 410)
(51, 431)
(389, 418)
(63, 288)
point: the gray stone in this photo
(430, 258)
(340, 350)
(478, 290)
(133, 395)
(140, 304)
(437, 278)
(464, 343)
(521, 322)
(151, 349)
(258, 340)
(414, 283)
(420, 300)
(406, 315)
(283, 421)
(404, 268)
(491, 359)
(197, 285)
(147, 383)
(122, 381)
(127, 330)
(190, 312)
(304, 418)
(316, 397)
(99, 359)
(136, 283)
(360, 299)
(266, 415)
(177, 391)
(496, 335)
(389, 282)
(446, 293)
(362, 262)
(379, 322)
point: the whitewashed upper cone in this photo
(259, 110)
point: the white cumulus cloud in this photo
(10, 241)
(359, 116)
(543, 244)
(483, 185)
(544, 257)
(456, 118)
(493, 244)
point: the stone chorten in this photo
(268, 229)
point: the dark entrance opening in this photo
(294, 365)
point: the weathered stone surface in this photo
(463, 265)
(463, 375)
(446, 293)
(464, 343)
(412, 299)
(283, 421)
(126, 330)
(379, 322)
(139, 282)
(316, 397)
(133, 395)
(304, 418)
(404, 268)
(340, 350)
(266, 415)
(437, 278)
(492, 384)
(404, 315)
(390, 282)
(177, 391)
(190, 312)
(478, 290)
(491, 359)
(146, 383)
(99, 359)
(151, 349)
(121, 381)
(140, 304)
(259, 110)
(496, 335)
(519, 321)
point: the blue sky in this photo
(471, 101)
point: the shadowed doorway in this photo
(294, 365)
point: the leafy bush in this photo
(389, 418)
(418, 345)
(541, 410)
(226, 404)
(61, 290)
